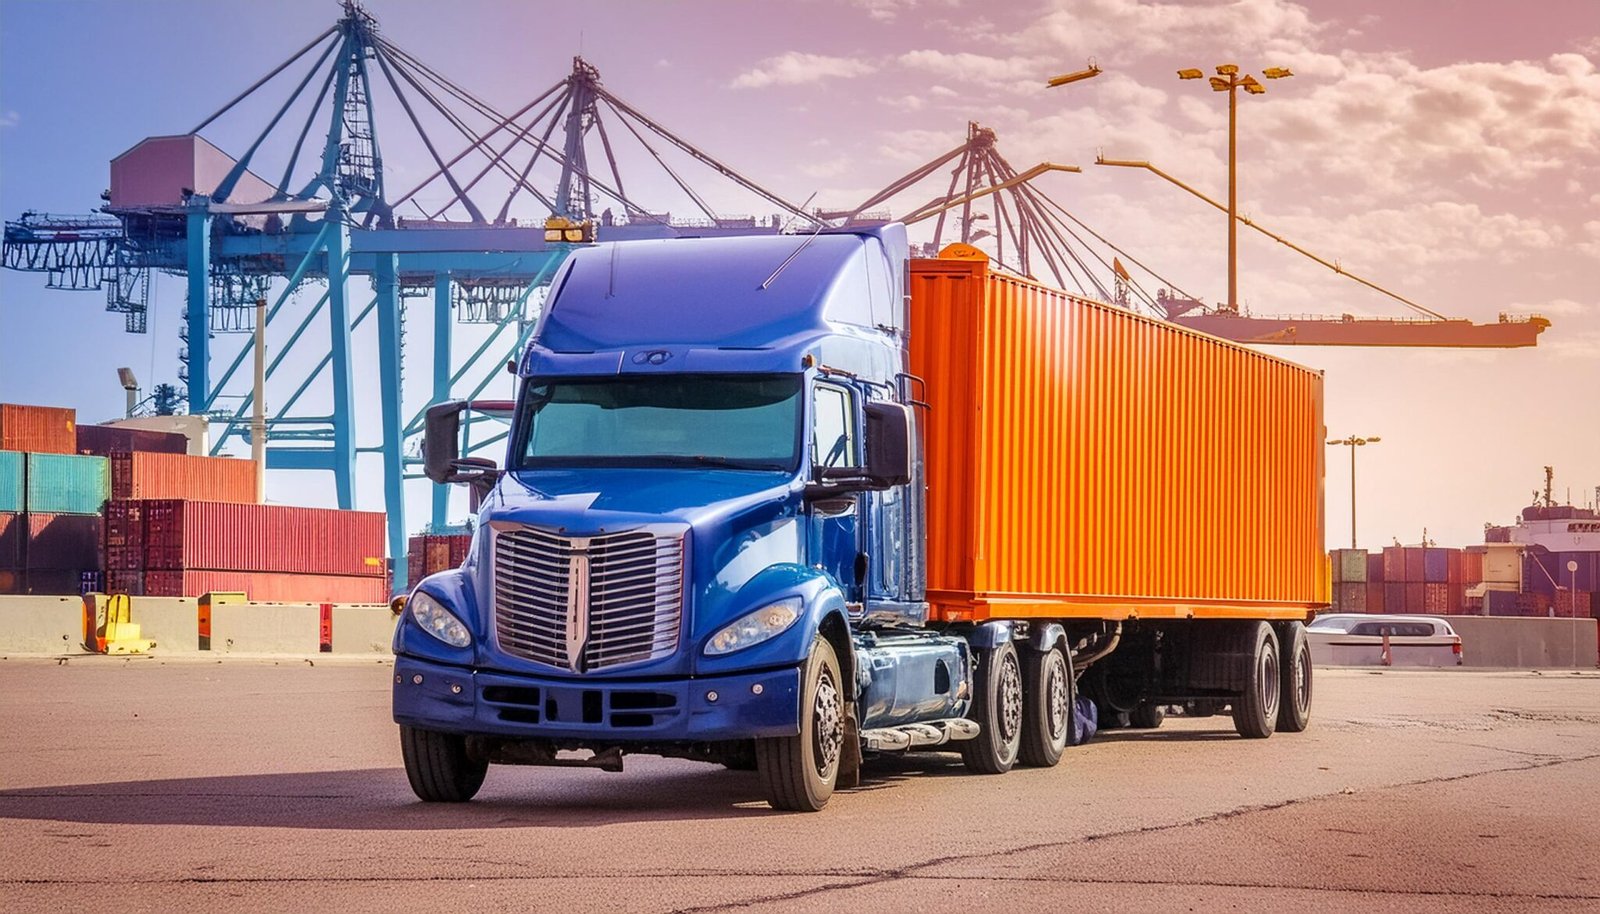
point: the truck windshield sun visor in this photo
(741, 422)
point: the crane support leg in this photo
(344, 438)
(198, 317)
(442, 325)
(387, 277)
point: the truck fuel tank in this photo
(911, 678)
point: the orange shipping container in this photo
(40, 429)
(1085, 461)
(142, 474)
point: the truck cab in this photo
(705, 508)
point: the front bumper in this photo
(453, 699)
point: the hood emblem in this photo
(577, 605)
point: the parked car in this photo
(1357, 639)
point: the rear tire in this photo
(438, 766)
(1255, 712)
(1047, 707)
(1294, 705)
(800, 772)
(997, 709)
(1147, 716)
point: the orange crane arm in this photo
(933, 209)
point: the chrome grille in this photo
(588, 603)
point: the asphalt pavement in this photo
(275, 785)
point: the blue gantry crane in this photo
(181, 206)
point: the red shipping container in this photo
(13, 533)
(105, 440)
(1375, 595)
(1416, 597)
(41, 429)
(1436, 598)
(271, 587)
(1394, 564)
(125, 535)
(1374, 569)
(1416, 565)
(146, 475)
(1455, 566)
(1471, 568)
(219, 536)
(63, 542)
(1394, 597)
(124, 580)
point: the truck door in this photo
(835, 541)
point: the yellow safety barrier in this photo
(116, 632)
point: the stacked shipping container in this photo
(50, 501)
(428, 553)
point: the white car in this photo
(1356, 639)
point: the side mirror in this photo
(441, 450)
(888, 438)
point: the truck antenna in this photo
(796, 253)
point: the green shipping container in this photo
(11, 476)
(1349, 566)
(67, 484)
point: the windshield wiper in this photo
(729, 462)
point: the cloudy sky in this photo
(1450, 152)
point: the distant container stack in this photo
(1403, 579)
(429, 553)
(50, 503)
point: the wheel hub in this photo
(828, 732)
(1058, 700)
(1010, 699)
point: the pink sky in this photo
(1448, 151)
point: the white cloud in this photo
(890, 10)
(1556, 307)
(1019, 73)
(798, 68)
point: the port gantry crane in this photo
(181, 206)
(988, 203)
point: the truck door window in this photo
(834, 441)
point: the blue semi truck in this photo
(709, 541)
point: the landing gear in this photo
(438, 766)
(800, 772)
(997, 709)
(1048, 693)
(1147, 716)
(1294, 704)
(1255, 712)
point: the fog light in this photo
(711, 696)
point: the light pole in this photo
(1228, 80)
(1352, 443)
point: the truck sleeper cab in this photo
(710, 540)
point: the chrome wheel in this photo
(828, 737)
(1010, 698)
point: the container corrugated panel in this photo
(1375, 568)
(1394, 563)
(1435, 566)
(223, 536)
(1070, 443)
(1416, 565)
(1394, 597)
(63, 542)
(1416, 597)
(1375, 602)
(1350, 566)
(13, 473)
(1471, 568)
(1350, 597)
(1436, 598)
(429, 553)
(13, 534)
(106, 440)
(125, 580)
(144, 475)
(67, 483)
(124, 534)
(43, 429)
(268, 586)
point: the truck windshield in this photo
(744, 422)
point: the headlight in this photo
(438, 621)
(767, 622)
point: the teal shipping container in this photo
(67, 483)
(11, 476)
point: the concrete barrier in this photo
(173, 623)
(363, 629)
(266, 628)
(1527, 643)
(41, 625)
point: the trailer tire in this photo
(1047, 706)
(438, 766)
(800, 772)
(1255, 711)
(1147, 716)
(998, 710)
(1294, 706)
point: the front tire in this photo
(438, 766)
(800, 772)
(997, 709)
(1255, 712)
(1047, 708)
(1294, 705)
